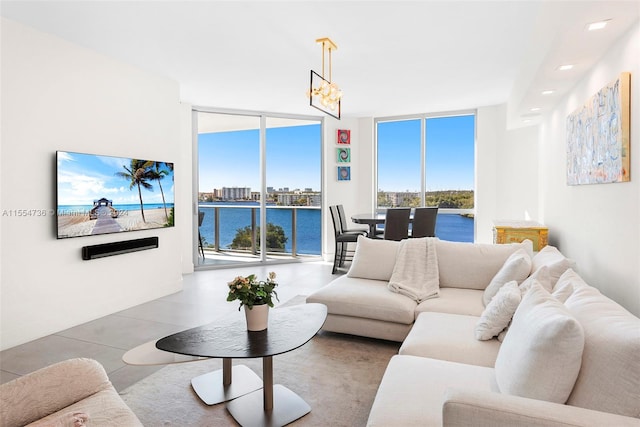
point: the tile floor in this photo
(202, 300)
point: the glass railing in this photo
(235, 227)
(294, 231)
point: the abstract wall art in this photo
(344, 173)
(598, 136)
(344, 155)
(344, 136)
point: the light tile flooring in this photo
(202, 300)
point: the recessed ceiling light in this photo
(547, 92)
(526, 121)
(597, 25)
(534, 109)
(565, 67)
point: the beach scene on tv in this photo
(105, 194)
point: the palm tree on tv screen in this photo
(158, 174)
(138, 174)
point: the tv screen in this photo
(105, 194)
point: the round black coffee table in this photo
(289, 328)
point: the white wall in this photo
(59, 96)
(337, 192)
(489, 135)
(597, 225)
(506, 172)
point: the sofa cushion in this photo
(496, 317)
(454, 301)
(472, 265)
(554, 260)
(541, 353)
(363, 327)
(62, 419)
(609, 379)
(374, 259)
(412, 390)
(541, 275)
(517, 267)
(37, 394)
(562, 290)
(367, 298)
(449, 337)
(105, 408)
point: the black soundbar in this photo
(117, 248)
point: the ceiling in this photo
(393, 58)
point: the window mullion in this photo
(423, 156)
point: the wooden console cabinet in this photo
(507, 231)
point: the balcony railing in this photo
(301, 225)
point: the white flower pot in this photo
(257, 317)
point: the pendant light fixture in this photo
(323, 93)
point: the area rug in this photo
(337, 375)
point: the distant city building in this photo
(315, 199)
(299, 199)
(282, 196)
(236, 193)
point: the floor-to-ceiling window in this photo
(259, 195)
(428, 160)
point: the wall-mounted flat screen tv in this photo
(105, 194)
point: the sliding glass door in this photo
(293, 180)
(259, 195)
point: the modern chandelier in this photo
(323, 93)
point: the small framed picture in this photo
(344, 173)
(344, 155)
(344, 136)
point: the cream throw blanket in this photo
(415, 274)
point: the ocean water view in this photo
(451, 227)
(76, 209)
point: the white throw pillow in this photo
(541, 276)
(609, 378)
(554, 260)
(374, 259)
(541, 354)
(517, 267)
(496, 317)
(562, 290)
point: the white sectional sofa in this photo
(569, 356)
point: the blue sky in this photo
(83, 178)
(449, 156)
(231, 159)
